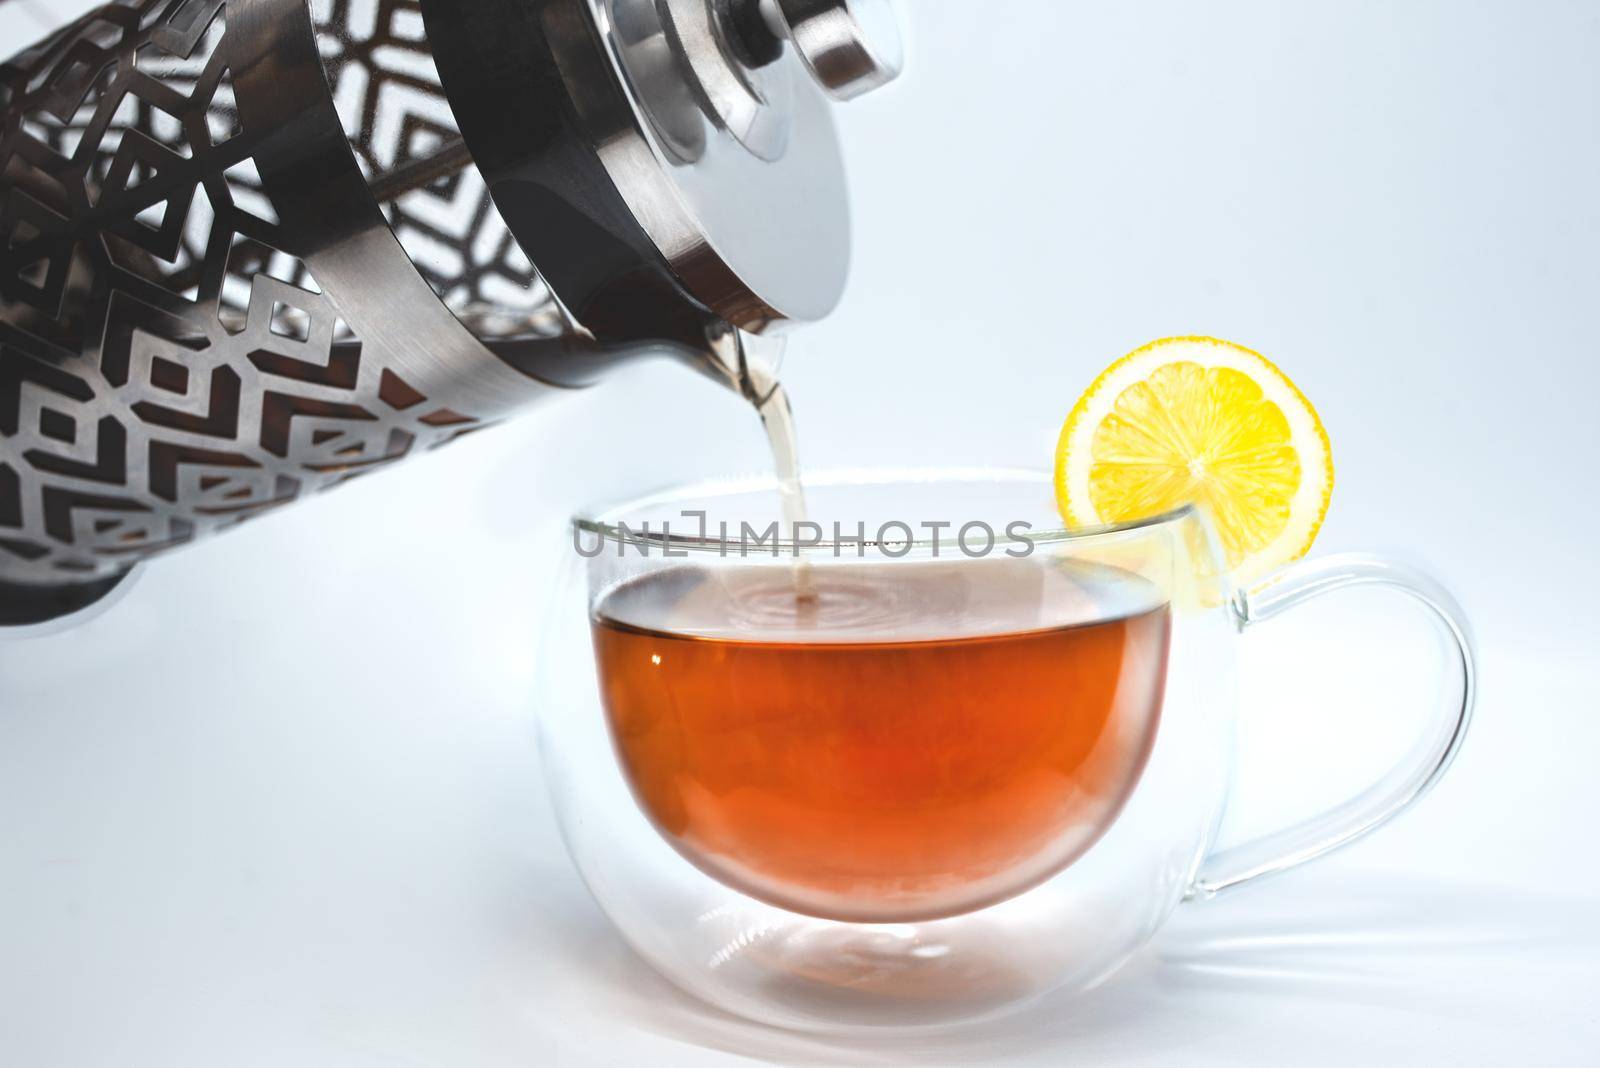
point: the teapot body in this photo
(253, 249)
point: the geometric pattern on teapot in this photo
(170, 365)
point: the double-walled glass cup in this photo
(928, 760)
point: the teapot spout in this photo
(747, 362)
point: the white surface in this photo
(280, 807)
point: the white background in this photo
(280, 806)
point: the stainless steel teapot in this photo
(252, 249)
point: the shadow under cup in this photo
(883, 742)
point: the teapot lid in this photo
(662, 160)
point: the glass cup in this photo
(928, 760)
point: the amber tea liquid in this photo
(906, 741)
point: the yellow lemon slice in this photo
(1195, 419)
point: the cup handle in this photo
(1402, 786)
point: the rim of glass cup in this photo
(600, 520)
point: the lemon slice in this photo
(1195, 419)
